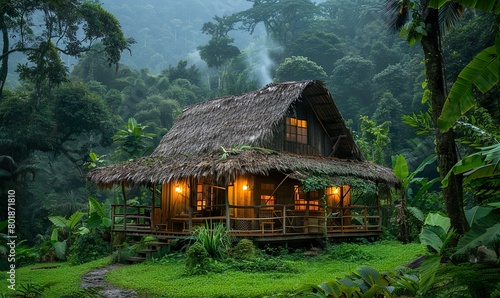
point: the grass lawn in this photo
(166, 278)
(66, 277)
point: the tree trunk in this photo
(447, 154)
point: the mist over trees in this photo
(68, 106)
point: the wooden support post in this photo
(124, 194)
(152, 214)
(284, 219)
(228, 220)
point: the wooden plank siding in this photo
(318, 141)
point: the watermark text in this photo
(11, 238)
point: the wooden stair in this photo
(135, 259)
(147, 253)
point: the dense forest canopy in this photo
(114, 75)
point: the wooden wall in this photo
(319, 142)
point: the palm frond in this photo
(449, 14)
(396, 14)
(428, 272)
(484, 5)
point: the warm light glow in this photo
(245, 187)
(178, 189)
(336, 190)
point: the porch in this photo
(279, 221)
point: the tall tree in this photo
(61, 32)
(426, 26)
(219, 49)
(284, 20)
(297, 68)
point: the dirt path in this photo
(95, 279)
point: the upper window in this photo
(296, 130)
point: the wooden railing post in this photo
(124, 206)
(365, 211)
(228, 221)
(283, 219)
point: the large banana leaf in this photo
(485, 163)
(98, 216)
(59, 221)
(436, 232)
(60, 249)
(436, 219)
(481, 72)
(433, 236)
(401, 168)
(475, 213)
(485, 5)
(74, 219)
(485, 231)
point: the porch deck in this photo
(273, 222)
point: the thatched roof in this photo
(246, 123)
(252, 118)
(159, 169)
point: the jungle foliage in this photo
(60, 116)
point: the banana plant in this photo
(436, 234)
(484, 230)
(67, 227)
(98, 217)
(401, 172)
(482, 72)
(133, 140)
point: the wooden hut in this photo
(251, 162)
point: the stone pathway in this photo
(95, 279)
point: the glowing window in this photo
(201, 200)
(266, 197)
(296, 130)
(301, 202)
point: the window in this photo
(266, 197)
(296, 130)
(301, 202)
(201, 200)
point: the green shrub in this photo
(26, 255)
(244, 250)
(197, 259)
(88, 247)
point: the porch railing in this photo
(259, 219)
